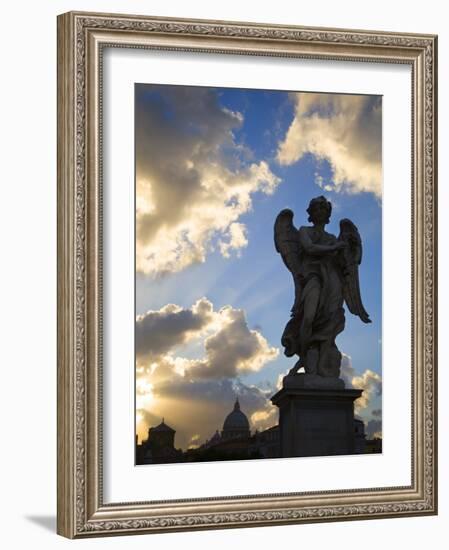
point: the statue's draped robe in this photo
(317, 314)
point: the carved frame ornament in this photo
(81, 38)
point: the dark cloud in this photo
(159, 331)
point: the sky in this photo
(214, 167)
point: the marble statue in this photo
(325, 273)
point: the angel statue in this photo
(326, 274)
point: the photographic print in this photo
(247, 247)
(258, 257)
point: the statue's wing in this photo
(352, 256)
(286, 240)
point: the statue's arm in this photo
(316, 249)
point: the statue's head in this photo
(319, 210)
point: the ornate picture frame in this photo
(82, 39)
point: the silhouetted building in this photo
(267, 442)
(236, 424)
(216, 438)
(235, 442)
(373, 445)
(159, 448)
(360, 437)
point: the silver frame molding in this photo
(81, 38)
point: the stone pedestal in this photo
(315, 421)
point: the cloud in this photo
(369, 381)
(194, 178)
(159, 331)
(374, 429)
(234, 348)
(195, 441)
(345, 131)
(194, 394)
(371, 384)
(230, 347)
(265, 417)
(237, 239)
(347, 371)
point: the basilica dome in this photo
(236, 420)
